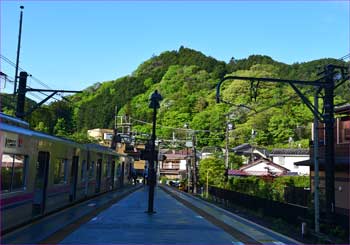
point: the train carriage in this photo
(41, 173)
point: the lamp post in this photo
(154, 103)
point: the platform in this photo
(120, 218)
(127, 223)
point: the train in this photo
(41, 173)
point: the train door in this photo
(41, 179)
(98, 175)
(74, 178)
(112, 174)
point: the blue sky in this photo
(71, 45)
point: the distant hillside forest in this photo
(186, 79)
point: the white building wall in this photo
(288, 162)
(262, 167)
(182, 164)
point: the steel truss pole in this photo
(326, 83)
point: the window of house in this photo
(344, 130)
(13, 172)
(60, 171)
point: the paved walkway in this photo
(260, 234)
(127, 223)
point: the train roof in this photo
(13, 120)
(101, 148)
(36, 134)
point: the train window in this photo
(60, 171)
(91, 170)
(83, 170)
(13, 171)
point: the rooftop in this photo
(289, 151)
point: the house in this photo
(250, 153)
(288, 157)
(234, 172)
(264, 167)
(208, 151)
(174, 165)
(103, 135)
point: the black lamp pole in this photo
(154, 103)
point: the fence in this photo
(297, 195)
(289, 212)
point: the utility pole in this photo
(22, 90)
(229, 127)
(115, 131)
(329, 147)
(21, 98)
(18, 49)
(316, 169)
(194, 183)
(226, 148)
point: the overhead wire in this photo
(345, 57)
(35, 79)
(162, 126)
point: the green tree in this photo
(60, 127)
(42, 128)
(235, 161)
(214, 168)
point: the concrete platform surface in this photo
(127, 223)
(260, 234)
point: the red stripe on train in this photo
(18, 198)
(59, 189)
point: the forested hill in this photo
(186, 79)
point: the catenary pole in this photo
(18, 50)
(316, 170)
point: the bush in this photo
(266, 188)
(163, 180)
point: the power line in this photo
(162, 126)
(37, 80)
(345, 57)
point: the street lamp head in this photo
(155, 98)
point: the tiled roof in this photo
(290, 151)
(175, 156)
(240, 147)
(342, 109)
(236, 172)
